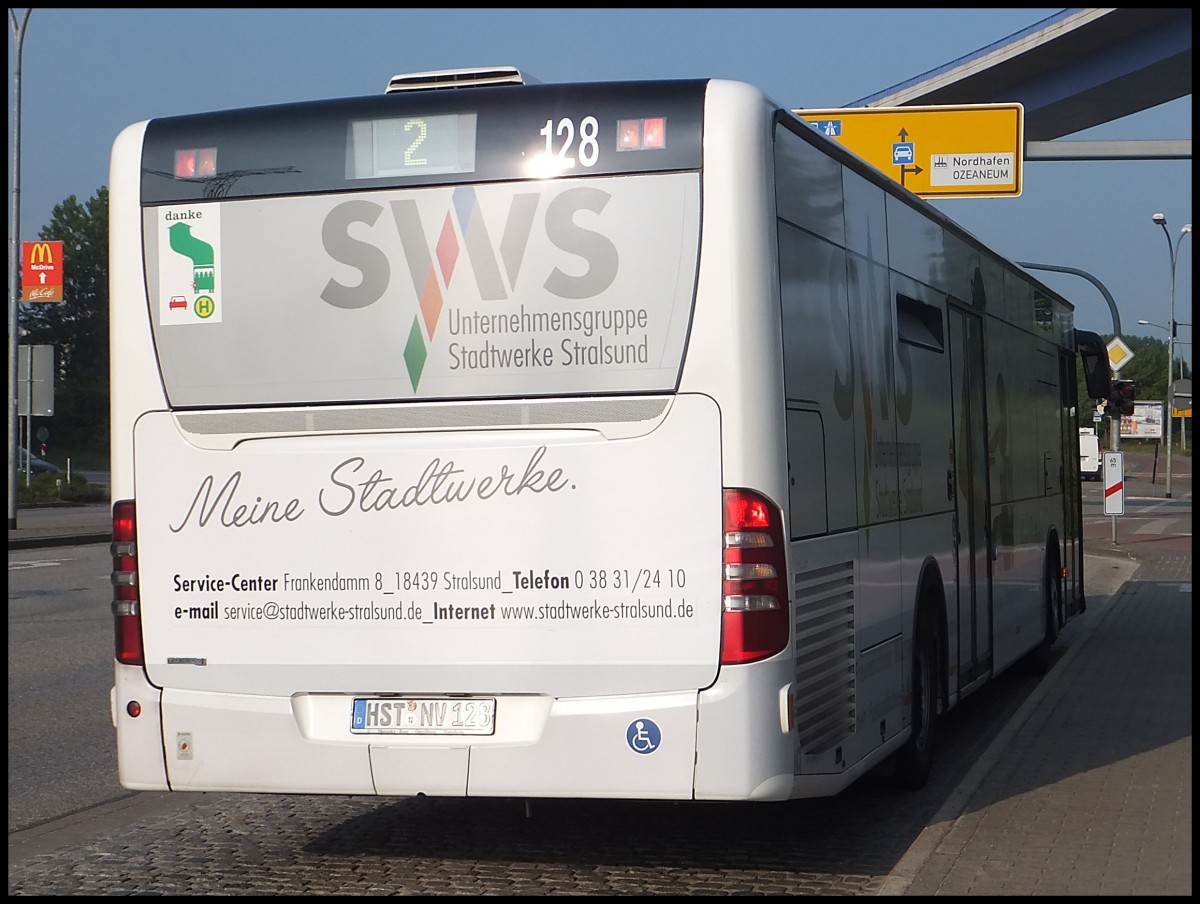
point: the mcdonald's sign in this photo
(42, 272)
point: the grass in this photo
(47, 488)
(1148, 446)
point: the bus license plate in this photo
(424, 715)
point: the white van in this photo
(1090, 464)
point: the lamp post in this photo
(1182, 425)
(1173, 250)
(1178, 341)
(14, 274)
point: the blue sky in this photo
(87, 73)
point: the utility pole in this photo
(1173, 251)
(14, 269)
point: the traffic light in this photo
(1120, 398)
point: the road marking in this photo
(1155, 526)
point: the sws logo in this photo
(430, 281)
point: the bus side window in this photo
(807, 504)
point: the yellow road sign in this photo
(1119, 354)
(971, 150)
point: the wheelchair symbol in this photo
(643, 736)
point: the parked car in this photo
(39, 465)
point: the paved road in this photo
(1088, 790)
(1085, 790)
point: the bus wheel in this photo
(1041, 658)
(915, 759)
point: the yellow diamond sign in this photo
(1119, 354)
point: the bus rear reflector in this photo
(126, 605)
(195, 163)
(755, 619)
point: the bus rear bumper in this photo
(542, 747)
(134, 705)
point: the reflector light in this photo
(629, 134)
(743, 510)
(195, 163)
(654, 132)
(749, 572)
(123, 523)
(750, 603)
(133, 708)
(755, 623)
(741, 539)
(642, 134)
(126, 604)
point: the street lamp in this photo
(1182, 425)
(1178, 341)
(14, 273)
(1173, 250)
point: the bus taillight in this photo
(754, 619)
(195, 163)
(126, 605)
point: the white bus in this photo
(624, 440)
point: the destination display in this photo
(400, 145)
(465, 135)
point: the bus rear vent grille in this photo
(824, 657)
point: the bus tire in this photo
(1052, 603)
(914, 761)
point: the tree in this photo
(77, 327)
(1147, 369)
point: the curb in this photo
(955, 810)
(43, 542)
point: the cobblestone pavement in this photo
(1079, 784)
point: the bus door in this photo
(1072, 520)
(972, 539)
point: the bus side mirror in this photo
(1094, 355)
